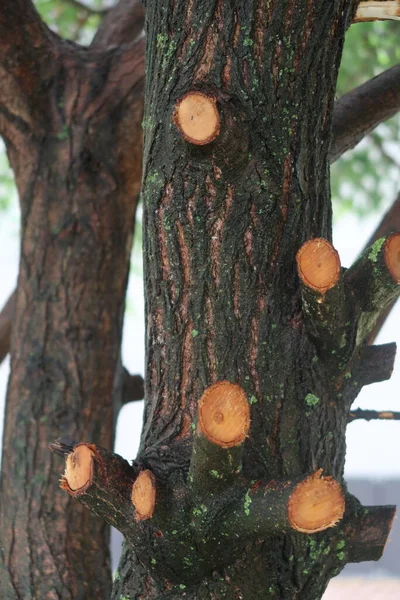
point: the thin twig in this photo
(370, 415)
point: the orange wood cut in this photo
(392, 255)
(144, 495)
(79, 468)
(318, 265)
(224, 414)
(197, 118)
(316, 504)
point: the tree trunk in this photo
(227, 207)
(78, 170)
(255, 335)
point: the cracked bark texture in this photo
(222, 225)
(70, 118)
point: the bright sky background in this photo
(373, 447)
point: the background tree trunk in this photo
(73, 134)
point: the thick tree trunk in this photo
(255, 350)
(225, 215)
(78, 171)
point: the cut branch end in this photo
(316, 504)
(144, 495)
(78, 469)
(224, 414)
(392, 256)
(197, 118)
(318, 265)
(378, 10)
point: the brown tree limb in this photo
(373, 282)
(122, 24)
(372, 415)
(6, 317)
(326, 311)
(101, 480)
(362, 109)
(389, 223)
(367, 533)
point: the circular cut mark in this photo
(318, 265)
(79, 467)
(224, 414)
(316, 504)
(144, 495)
(197, 118)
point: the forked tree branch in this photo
(121, 25)
(362, 109)
(26, 55)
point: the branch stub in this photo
(79, 468)
(197, 118)
(224, 414)
(392, 256)
(144, 495)
(316, 504)
(377, 10)
(318, 265)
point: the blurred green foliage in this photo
(363, 180)
(73, 20)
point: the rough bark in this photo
(223, 223)
(70, 118)
(224, 219)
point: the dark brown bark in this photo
(358, 112)
(223, 222)
(6, 318)
(132, 385)
(376, 363)
(71, 121)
